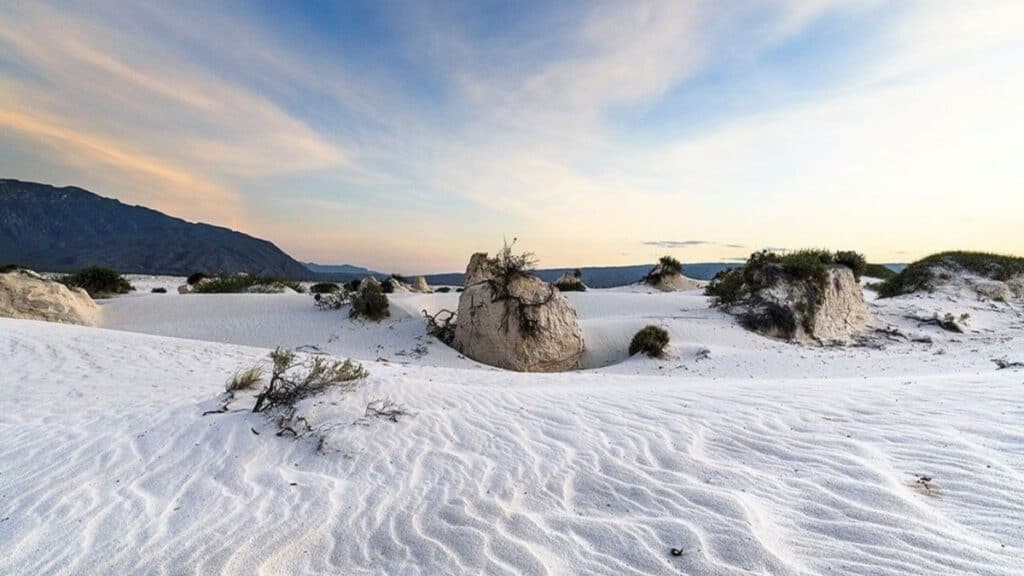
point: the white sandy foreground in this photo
(748, 455)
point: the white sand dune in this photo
(753, 457)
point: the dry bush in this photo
(292, 380)
(650, 340)
(245, 378)
(441, 325)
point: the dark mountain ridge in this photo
(59, 229)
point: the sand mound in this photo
(26, 295)
(527, 326)
(670, 278)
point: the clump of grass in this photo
(10, 268)
(650, 340)
(159, 290)
(506, 264)
(667, 266)
(245, 378)
(923, 274)
(240, 283)
(97, 281)
(370, 302)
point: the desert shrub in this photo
(880, 271)
(506, 264)
(352, 285)
(853, 260)
(292, 380)
(460, 289)
(921, 275)
(670, 265)
(324, 288)
(726, 287)
(239, 283)
(650, 340)
(159, 290)
(97, 281)
(772, 319)
(9, 268)
(441, 325)
(370, 302)
(332, 300)
(387, 286)
(443, 290)
(195, 278)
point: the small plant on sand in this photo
(370, 302)
(332, 300)
(159, 290)
(441, 325)
(240, 283)
(195, 278)
(97, 281)
(667, 266)
(925, 274)
(245, 378)
(9, 268)
(324, 288)
(292, 380)
(650, 340)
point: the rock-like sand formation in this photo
(26, 295)
(521, 324)
(670, 279)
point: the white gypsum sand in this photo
(748, 455)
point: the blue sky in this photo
(406, 135)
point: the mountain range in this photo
(59, 229)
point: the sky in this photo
(404, 136)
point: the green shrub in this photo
(774, 320)
(726, 287)
(572, 284)
(921, 274)
(650, 340)
(159, 290)
(387, 286)
(443, 289)
(324, 288)
(239, 283)
(97, 281)
(670, 265)
(195, 278)
(370, 302)
(9, 268)
(880, 271)
(852, 260)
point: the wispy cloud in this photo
(689, 244)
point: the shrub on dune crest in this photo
(650, 340)
(97, 281)
(880, 271)
(324, 288)
(241, 283)
(923, 275)
(370, 302)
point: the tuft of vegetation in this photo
(852, 260)
(332, 300)
(922, 275)
(370, 302)
(666, 266)
(241, 283)
(387, 286)
(726, 287)
(507, 265)
(292, 380)
(97, 281)
(245, 378)
(441, 325)
(324, 288)
(159, 290)
(10, 268)
(775, 320)
(880, 271)
(195, 278)
(650, 340)
(443, 290)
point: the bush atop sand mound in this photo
(26, 295)
(571, 282)
(98, 282)
(195, 278)
(243, 284)
(808, 295)
(512, 319)
(667, 276)
(370, 302)
(650, 340)
(994, 276)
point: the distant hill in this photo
(341, 269)
(59, 229)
